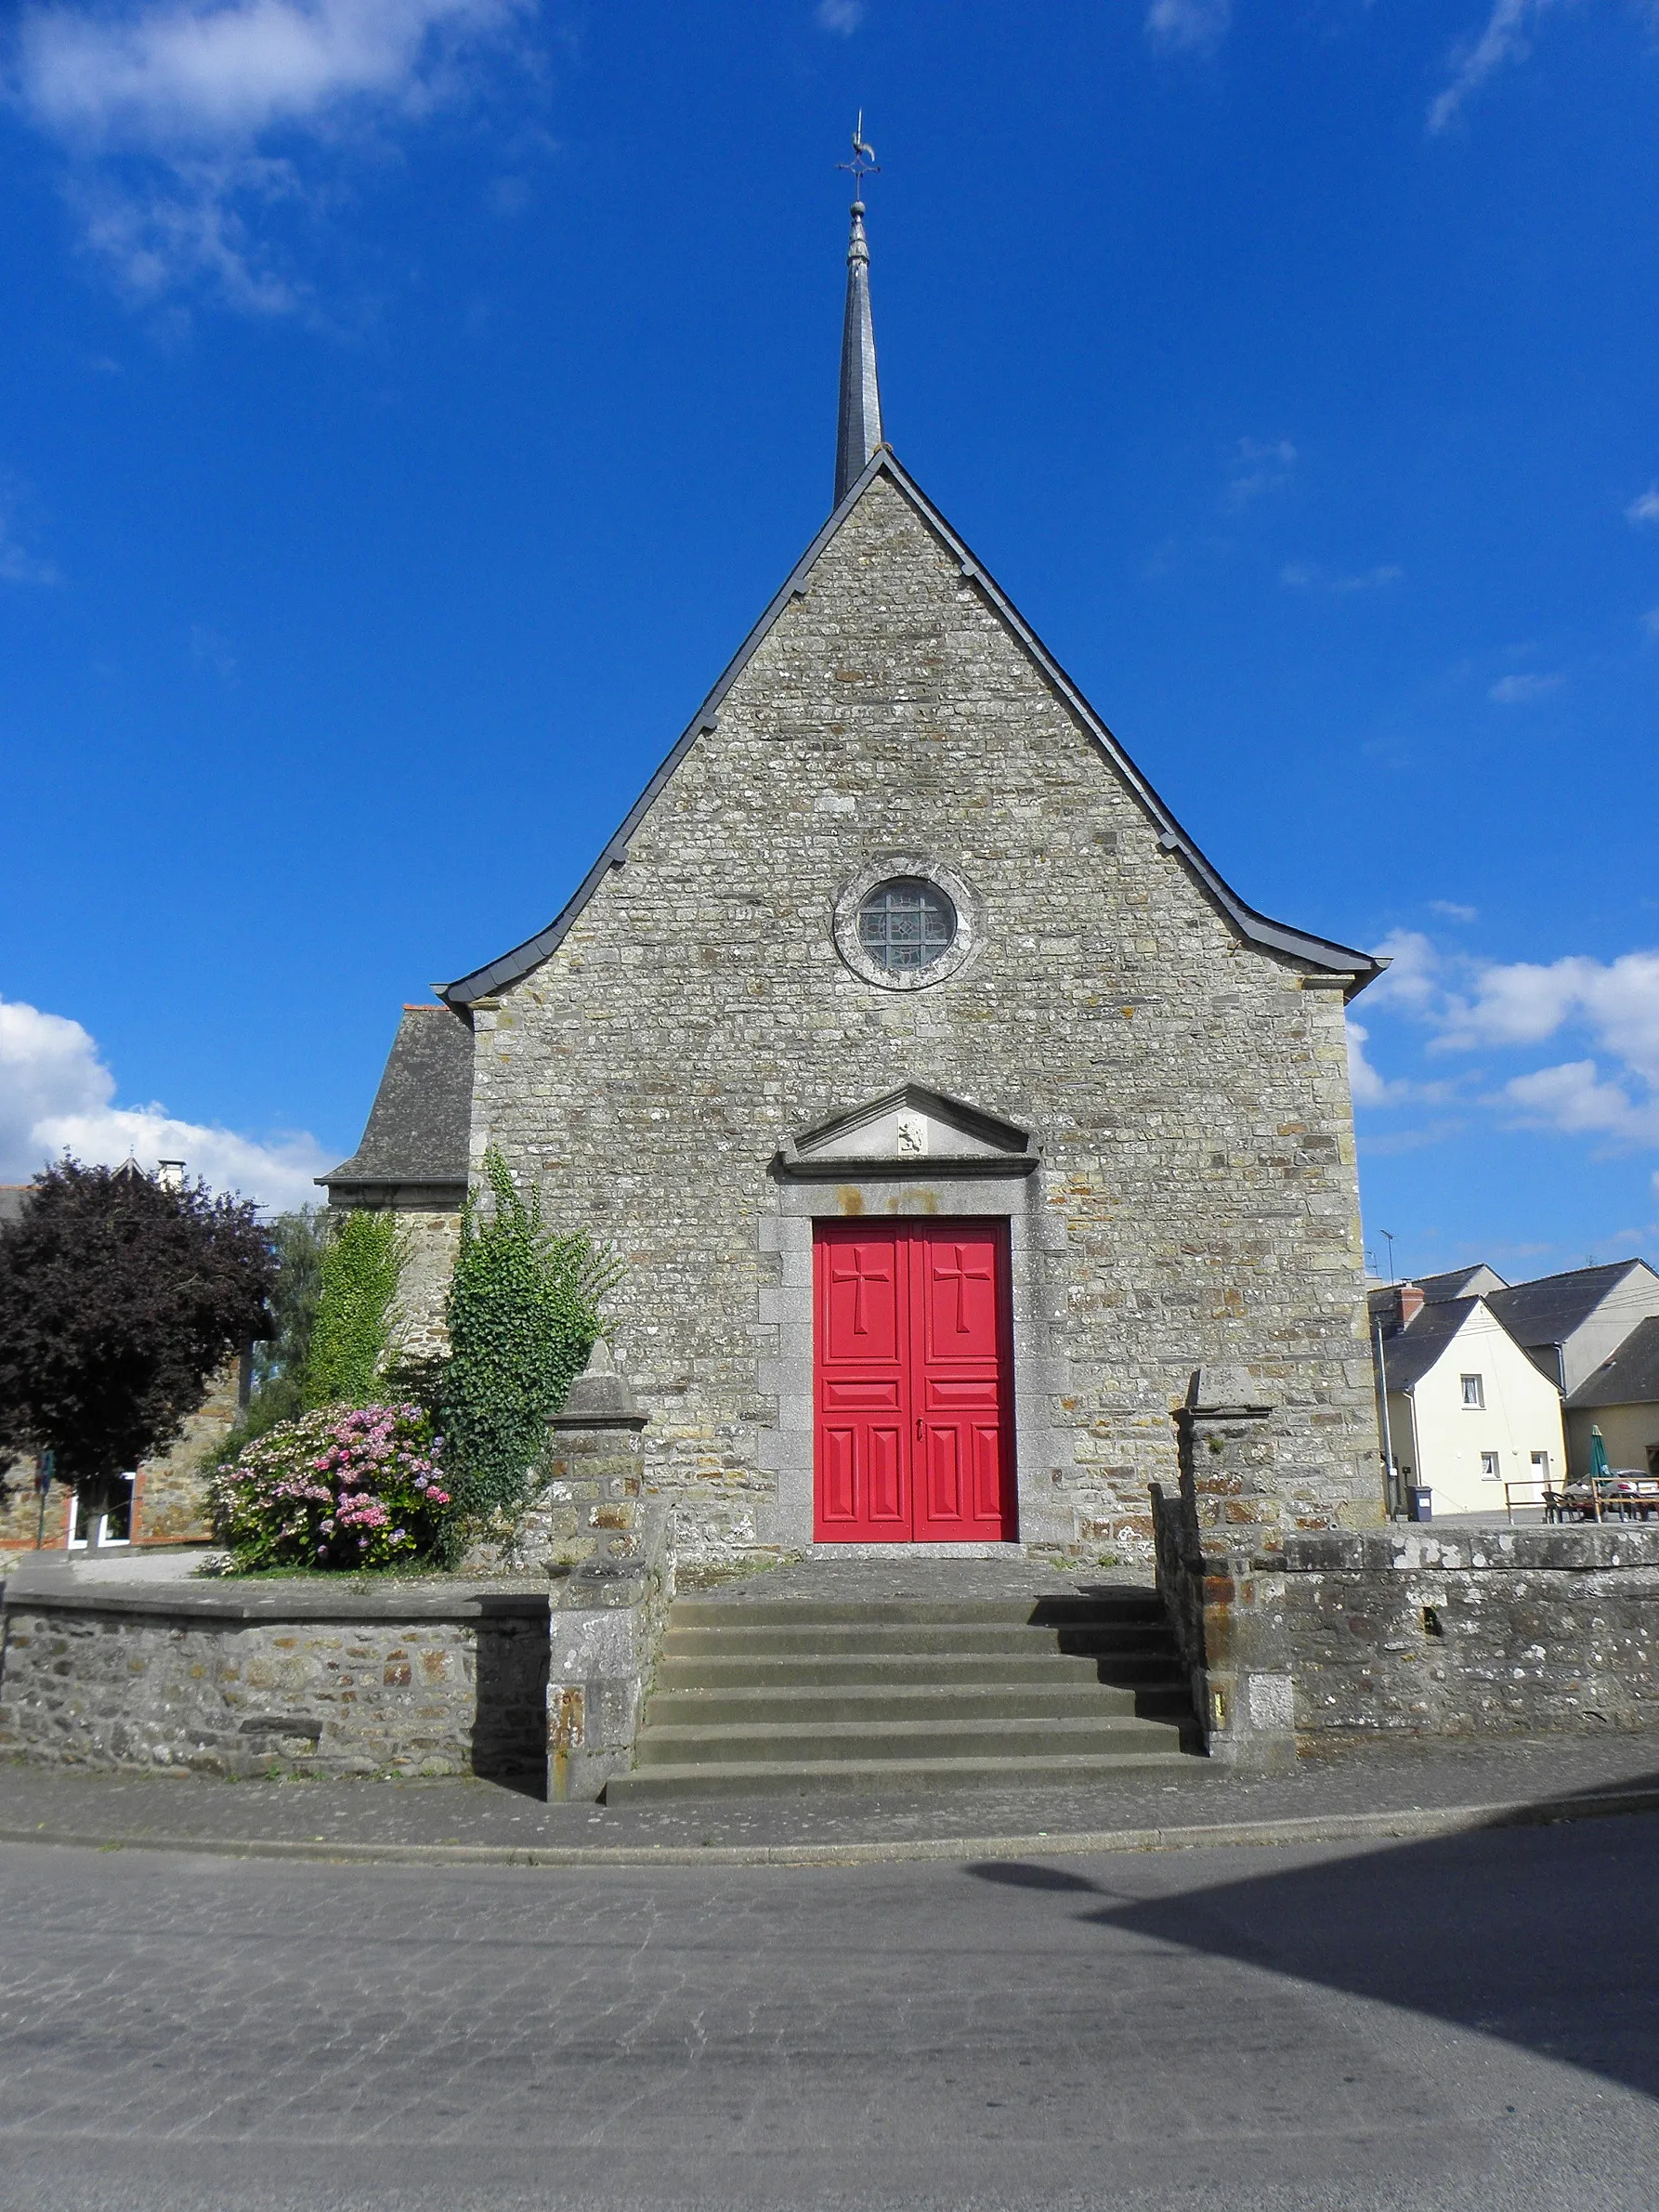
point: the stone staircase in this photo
(782, 1695)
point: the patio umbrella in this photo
(1598, 1469)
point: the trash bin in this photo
(1420, 1502)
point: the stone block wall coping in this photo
(296, 1600)
(1519, 1550)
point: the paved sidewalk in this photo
(1384, 1789)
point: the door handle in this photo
(919, 1428)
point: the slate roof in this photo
(1318, 952)
(1630, 1377)
(420, 1123)
(1408, 1353)
(1460, 1282)
(1547, 1311)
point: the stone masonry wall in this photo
(1473, 1633)
(1188, 1094)
(416, 1330)
(334, 1683)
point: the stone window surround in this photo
(1043, 1449)
(885, 868)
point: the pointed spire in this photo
(860, 429)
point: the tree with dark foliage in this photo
(119, 1297)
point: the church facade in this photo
(946, 1108)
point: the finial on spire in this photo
(859, 431)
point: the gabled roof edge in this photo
(1278, 936)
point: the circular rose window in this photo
(905, 924)
(905, 921)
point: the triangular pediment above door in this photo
(914, 1131)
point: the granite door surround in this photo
(915, 1151)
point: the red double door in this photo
(912, 1382)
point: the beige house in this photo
(1621, 1398)
(1469, 1412)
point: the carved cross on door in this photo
(849, 1265)
(950, 1266)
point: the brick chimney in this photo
(1411, 1303)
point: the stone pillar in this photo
(1222, 1569)
(608, 1555)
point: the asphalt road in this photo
(1472, 2022)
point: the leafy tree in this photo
(357, 1278)
(523, 1316)
(119, 1297)
(298, 1242)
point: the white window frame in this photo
(100, 1538)
(1477, 1404)
(1491, 1468)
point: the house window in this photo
(1474, 1391)
(1489, 1467)
(95, 1531)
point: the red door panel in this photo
(913, 1382)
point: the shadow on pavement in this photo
(1544, 1935)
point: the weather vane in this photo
(864, 162)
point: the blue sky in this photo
(405, 406)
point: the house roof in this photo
(420, 1123)
(12, 1195)
(1409, 1353)
(1547, 1311)
(1320, 953)
(1628, 1377)
(1478, 1281)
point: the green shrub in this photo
(337, 1490)
(523, 1316)
(298, 1240)
(358, 1280)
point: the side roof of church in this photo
(1321, 953)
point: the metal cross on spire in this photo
(864, 162)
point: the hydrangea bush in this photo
(364, 1488)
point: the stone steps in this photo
(770, 1696)
(899, 1669)
(794, 1704)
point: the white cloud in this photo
(1503, 39)
(1471, 1005)
(18, 564)
(1259, 464)
(162, 108)
(1523, 690)
(1649, 622)
(1453, 911)
(1188, 26)
(1413, 975)
(1645, 507)
(1574, 1099)
(1305, 576)
(1370, 1087)
(840, 15)
(56, 1093)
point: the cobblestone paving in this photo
(1466, 2021)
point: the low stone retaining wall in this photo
(1412, 1631)
(538, 1667)
(1473, 1631)
(288, 1677)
